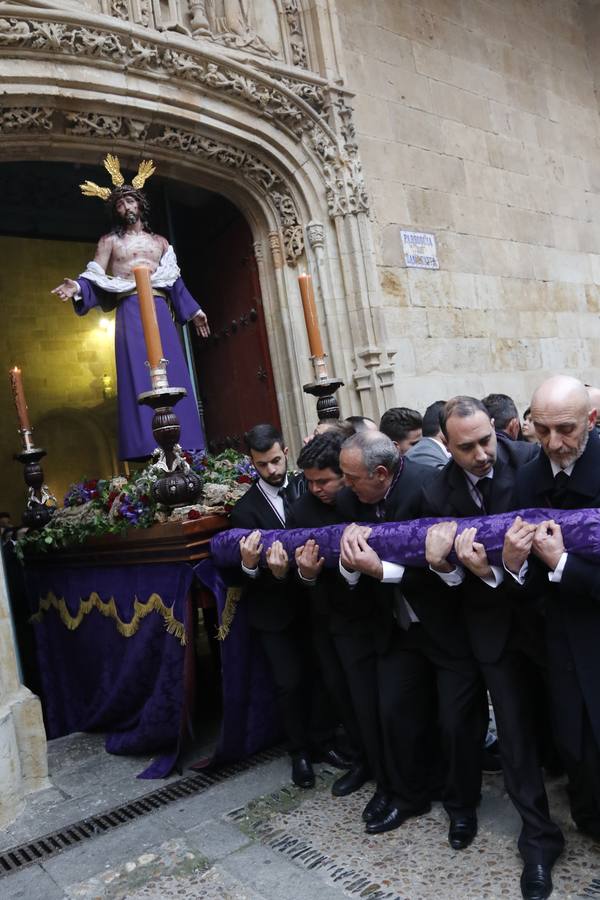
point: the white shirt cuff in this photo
(453, 578)
(520, 576)
(392, 572)
(306, 580)
(351, 577)
(496, 578)
(556, 576)
(251, 573)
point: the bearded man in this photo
(566, 475)
(131, 243)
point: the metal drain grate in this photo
(23, 855)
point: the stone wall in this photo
(477, 121)
(63, 358)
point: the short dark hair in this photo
(322, 452)
(335, 426)
(358, 423)
(431, 418)
(377, 450)
(262, 437)
(462, 407)
(501, 408)
(398, 421)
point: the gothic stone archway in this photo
(275, 138)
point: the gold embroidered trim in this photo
(231, 602)
(109, 608)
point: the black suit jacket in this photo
(573, 605)
(272, 604)
(492, 615)
(435, 605)
(331, 598)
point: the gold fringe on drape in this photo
(231, 602)
(109, 608)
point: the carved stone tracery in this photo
(214, 152)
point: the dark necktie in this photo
(286, 502)
(559, 490)
(484, 486)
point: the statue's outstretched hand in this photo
(201, 324)
(67, 289)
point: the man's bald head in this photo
(563, 416)
(594, 395)
(560, 392)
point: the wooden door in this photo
(233, 366)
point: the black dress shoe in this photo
(353, 779)
(462, 832)
(536, 882)
(334, 758)
(376, 806)
(302, 772)
(394, 817)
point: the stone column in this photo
(23, 758)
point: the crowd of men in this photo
(406, 659)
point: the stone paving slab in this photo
(415, 861)
(30, 884)
(256, 836)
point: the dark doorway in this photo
(214, 246)
(235, 379)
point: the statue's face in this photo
(128, 209)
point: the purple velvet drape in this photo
(250, 718)
(404, 542)
(94, 678)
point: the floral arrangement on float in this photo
(96, 506)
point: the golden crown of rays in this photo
(111, 163)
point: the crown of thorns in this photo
(111, 163)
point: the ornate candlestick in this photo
(324, 388)
(179, 486)
(41, 504)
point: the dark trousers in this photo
(584, 781)
(304, 705)
(336, 684)
(508, 682)
(423, 693)
(358, 659)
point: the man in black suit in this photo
(341, 629)
(505, 635)
(276, 607)
(431, 450)
(426, 674)
(566, 475)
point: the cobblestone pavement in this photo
(255, 836)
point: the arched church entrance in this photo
(46, 223)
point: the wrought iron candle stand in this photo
(179, 486)
(324, 388)
(41, 504)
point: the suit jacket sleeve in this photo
(580, 576)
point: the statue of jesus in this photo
(131, 243)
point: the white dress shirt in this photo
(271, 495)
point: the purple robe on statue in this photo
(133, 376)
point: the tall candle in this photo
(310, 315)
(148, 314)
(16, 384)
